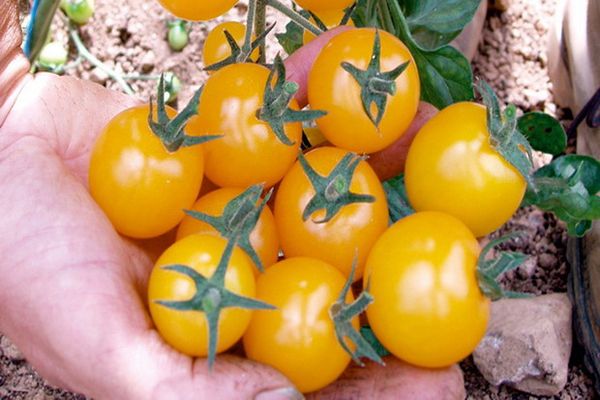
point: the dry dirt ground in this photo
(129, 36)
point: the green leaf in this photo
(543, 132)
(445, 73)
(364, 13)
(395, 191)
(446, 76)
(292, 39)
(568, 187)
(435, 23)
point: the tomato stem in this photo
(259, 24)
(85, 53)
(294, 16)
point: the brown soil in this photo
(130, 36)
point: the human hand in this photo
(72, 292)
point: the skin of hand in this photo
(72, 291)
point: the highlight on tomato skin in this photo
(428, 309)
(451, 167)
(129, 166)
(202, 10)
(298, 338)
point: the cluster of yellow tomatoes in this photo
(330, 211)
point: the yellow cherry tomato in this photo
(249, 152)
(141, 186)
(216, 48)
(348, 235)
(324, 5)
(451, 167)
(331, 19)
(298, 338)
(197, 10)
(263, 238)
(333, 89)
(428, 309)
(187, 331)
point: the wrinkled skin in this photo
(80, 285)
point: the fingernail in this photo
(284, 393)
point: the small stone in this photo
(528, 344)
(99, 76)
(547, 260)
(8, 349)
(147, 62)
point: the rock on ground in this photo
(528, 344)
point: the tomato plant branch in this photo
(258, 23)
(85, 53)
(294, 16)
(385, 16)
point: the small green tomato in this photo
(177, 35)
(78, 11)
(172, 86)
(53, 57)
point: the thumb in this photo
(230, 378)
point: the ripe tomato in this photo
(333, 89)
(428, 309)
(330, 18)
(451, 167)
(197, 10)
(263, 238)
(187, 331)
(327, 5)
(142, 187)
(298, 338)
(249, 152)
(216, 47)
(349, 234)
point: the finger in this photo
(390, 161)
(299, 64)
(397, 380)
(230, 378)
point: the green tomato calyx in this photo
(276, 109)
(211, 297)
(505, 137)
(333, 191)
(375, 85)
(171, 131)
(342, 315)
(490, 269)
(239, 219)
